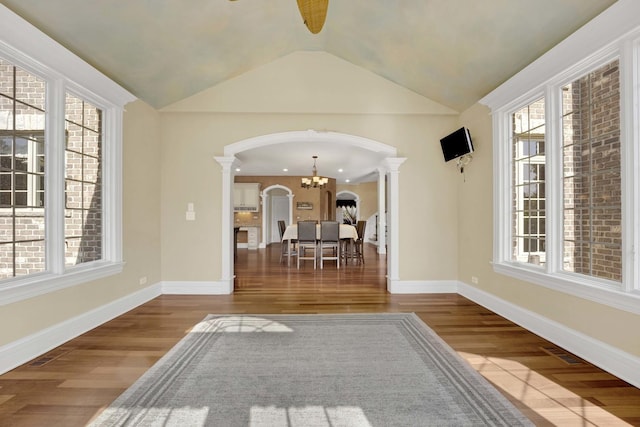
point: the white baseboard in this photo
(422, 286)
(21, 351)
(197, 288)
(619, 363)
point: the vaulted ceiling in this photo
(451, 51)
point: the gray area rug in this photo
(311, 370)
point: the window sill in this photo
(24, 288)
(602, 292)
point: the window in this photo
(566, 140)
(60, 166)
(592, 207)
(22, 168)
(83, 193)
(528, 127)
(588, 151)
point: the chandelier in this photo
(315, 181)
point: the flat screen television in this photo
(456, 144)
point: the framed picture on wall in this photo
(304, 205)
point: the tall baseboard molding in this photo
(619, 363)
(21, 351)
(197, 288)
(422, 286)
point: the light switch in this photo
(191, 216)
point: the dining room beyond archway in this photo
(386, 167)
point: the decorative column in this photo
(226, 234)
(393, 258)
(265, 201)
(290, 196)
(382, 210)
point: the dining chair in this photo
(307, 242)
(287, 248)
(329, 241)
(359, 242)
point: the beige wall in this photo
(428, 186)
(309, 82)
(262, 102)
(475, 243)
(141, 238)
(315, 196)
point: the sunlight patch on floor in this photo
(541, 395)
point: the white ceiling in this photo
(451, 51)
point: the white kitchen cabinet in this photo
(246, 197)
(252, 236)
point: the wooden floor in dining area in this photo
(71, 384)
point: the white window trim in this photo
(26, 46)
(32, 184)
(614, 33)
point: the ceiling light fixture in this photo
(314, 13)
(315, 181)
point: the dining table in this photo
(347, 232)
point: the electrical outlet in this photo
(143, 280)
(474, 280)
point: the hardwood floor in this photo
(72, 383)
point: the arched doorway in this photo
(388, 180)
(345, 200)
(277, 202)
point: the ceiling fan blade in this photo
(314, 13)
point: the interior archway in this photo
(351, 196)
(388, 165)
(267, 220)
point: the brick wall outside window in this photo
(83, 182)
(592, 183)
(592, 210)
(22, 192)
(22, 214)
